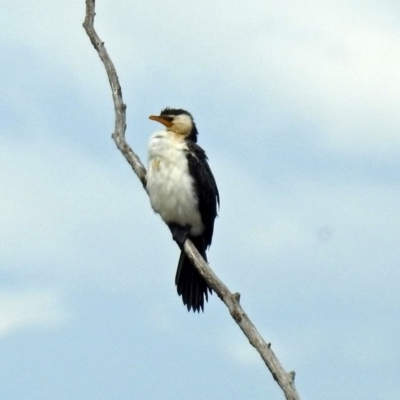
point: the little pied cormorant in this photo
(183, 191)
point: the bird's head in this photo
(178, 121)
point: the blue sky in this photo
(297, 106)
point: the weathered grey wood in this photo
(284, 379)
(119, 106)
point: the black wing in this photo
(205, 186)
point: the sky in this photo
(297, 105)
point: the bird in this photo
(182, 189)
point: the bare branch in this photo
(284, 379)
(119, 106)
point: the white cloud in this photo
(22, 310)
(333, 63)
(338, 69)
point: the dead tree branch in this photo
(284, 379)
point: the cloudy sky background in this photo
(298, 108)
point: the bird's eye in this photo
(168, 118)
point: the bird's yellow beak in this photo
(163, 121)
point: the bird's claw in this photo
(179, 233)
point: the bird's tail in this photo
(189, 283)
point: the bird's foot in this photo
(179, 233)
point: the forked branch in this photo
(284, 379)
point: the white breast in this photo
(169, 183)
